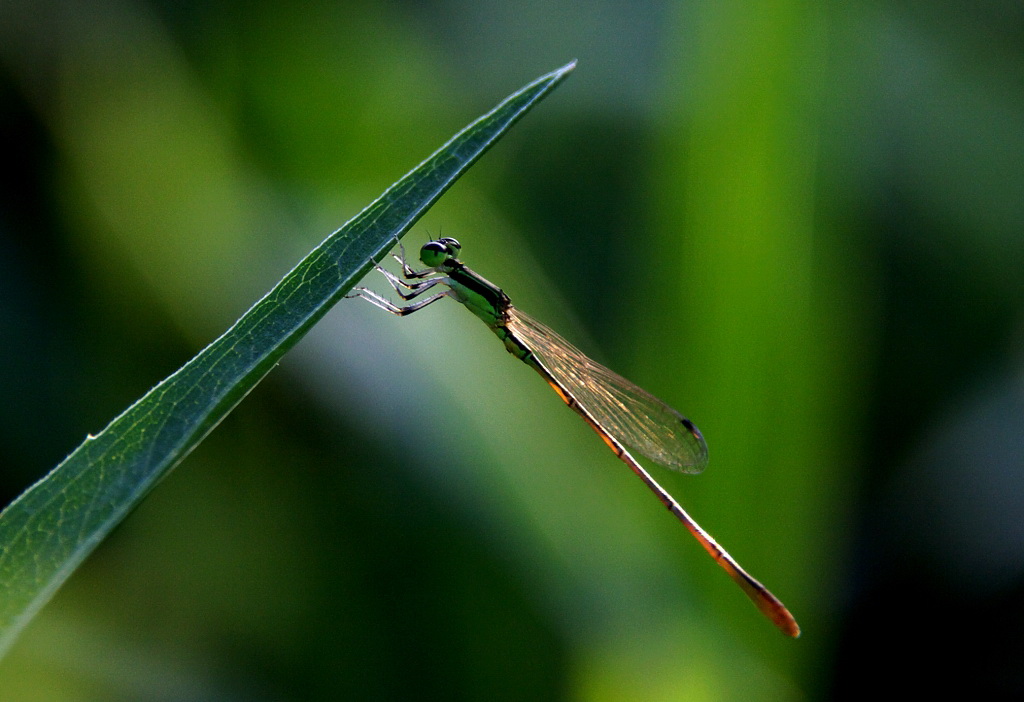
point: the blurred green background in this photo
(799, 223)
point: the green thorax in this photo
(483, 298)
(488, 302)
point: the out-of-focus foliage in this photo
(799, 223)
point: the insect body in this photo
(621, 413)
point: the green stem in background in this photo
(50, 529)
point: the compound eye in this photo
(435, 253)
(454, 247)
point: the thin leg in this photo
(417, 288)
(407, 270)
(388, 306)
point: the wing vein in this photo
(627, 412)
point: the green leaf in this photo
(50, 529)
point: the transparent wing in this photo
(628, 413)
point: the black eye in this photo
(435, 253)
(453, 246)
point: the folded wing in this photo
(628, 413)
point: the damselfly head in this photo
(436, 253)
